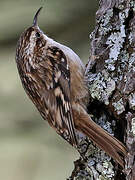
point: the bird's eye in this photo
(37, 35)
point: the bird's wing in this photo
(55, 75)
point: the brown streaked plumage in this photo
(53, 77)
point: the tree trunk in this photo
(111, 75)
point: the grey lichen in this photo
(131, 62)
(102, 121)
(133, 126)
(105, 25)
(115, 42)
(132, 101)
(101, 87)
(97, 163)
(129, 80)
(132, 3)
(103, 171)
(119, 106)
(103, 83)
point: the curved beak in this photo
(36, 17)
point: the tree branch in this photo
(111, 76)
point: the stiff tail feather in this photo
(100, 137)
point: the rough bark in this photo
(111, 74)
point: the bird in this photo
(53, 77)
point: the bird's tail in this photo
(99, 136)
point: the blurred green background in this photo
(29, 148)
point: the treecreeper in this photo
(53, 76)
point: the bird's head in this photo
(31, 41)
